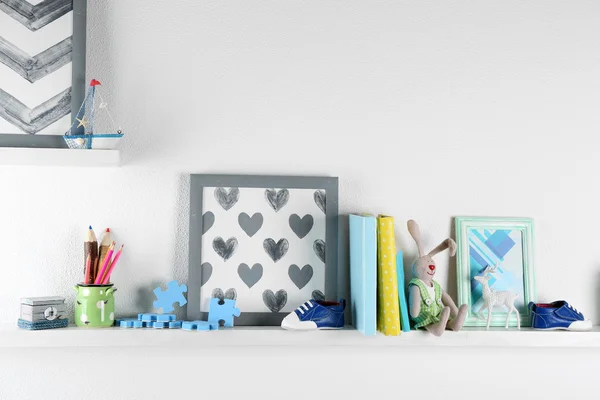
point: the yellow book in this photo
(388, 311)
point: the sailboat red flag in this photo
(95, 82)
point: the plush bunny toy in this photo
(430, 307)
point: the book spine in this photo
(404, 318)
(388, 318)
(363, 273)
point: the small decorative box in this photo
(43, 313)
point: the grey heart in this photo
(319, 248)
(318, 295)
(206, 270)
(276, 250)
(225, 249)
(250, 276)
(300, 277)
(230, 294)
(277, 199)
(208, 220)
(227, 199)
(250, 225)
(301, 226)
(275, 301)
(321, 200)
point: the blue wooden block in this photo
(199, 326)
(223, 312)
(157, 317)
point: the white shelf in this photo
(13, 337)
(59, 157)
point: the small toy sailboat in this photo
(81, 134)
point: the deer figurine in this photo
(493, 298)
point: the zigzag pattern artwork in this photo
(37, 67)
(50, 105)
(32, 121)
(38, 16)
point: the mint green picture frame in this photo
(463, 267)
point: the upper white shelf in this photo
(13, 337)
(59, 157)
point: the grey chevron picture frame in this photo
(42, 70)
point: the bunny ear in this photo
(446, 244)
(415, 232)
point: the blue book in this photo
(404, 320)
(363, 273)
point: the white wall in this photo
(424, 109)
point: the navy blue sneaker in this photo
(558, 315)
(316, 314)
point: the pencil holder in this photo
(95, 305)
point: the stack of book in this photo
(378, 299)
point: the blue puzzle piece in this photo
(223, 312)
(157, 317)
(131, 323)
(173, 294)
(166, 324)
(199, 326)
(125, 322)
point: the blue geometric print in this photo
(486, 248)
(500, 243)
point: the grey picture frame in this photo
(78, 86)
(197, 184)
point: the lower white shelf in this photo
(59, 157)
(13, 337)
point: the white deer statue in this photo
(493, 298)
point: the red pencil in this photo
(88, 269)
(112, 266)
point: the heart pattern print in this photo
(263, 246)
(276, 250)
(277, 199)
(227, 199)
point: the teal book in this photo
(363, 273)
(404, 320)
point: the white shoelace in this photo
(573, 308)
(306, 305)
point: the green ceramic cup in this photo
(95, 305)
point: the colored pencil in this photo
(88, 267)
(90, 247)
(112, 266)
(107, 261)
(103, 250)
